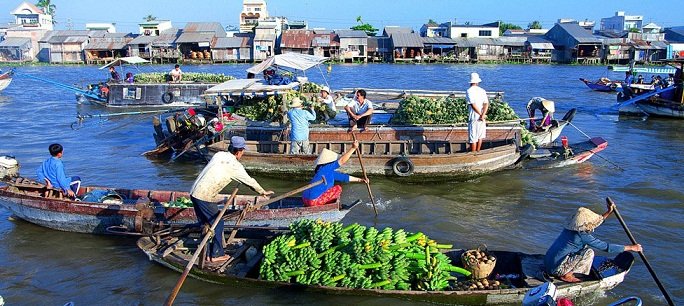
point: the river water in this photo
(511, 210)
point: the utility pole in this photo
(69, 24)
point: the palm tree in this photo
(48, 8)
(534, 25)
(149, 18)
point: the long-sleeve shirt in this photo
(222, 169)
(300, 123)
(571, 242)
(53, 170)
(331, 176)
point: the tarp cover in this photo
(248, 87)
(289, 60)
(133, 60)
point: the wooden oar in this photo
(200, 247)
(363, 169)
(247, 209)
(641, 253)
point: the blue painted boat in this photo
(603, 85)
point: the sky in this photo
(341, 14)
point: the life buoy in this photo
(167, 97)
(402, 166)
(570, 115)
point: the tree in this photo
(149, 18)
(48, 8)
(366, 27)
(534, 25)
(506, 26)
(634, 30)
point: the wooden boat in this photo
(519, 270)
(5, 79)
(559, 156)
(549, 135)
(396, 152)
(142, 210)
(665, 102)
(603, 84)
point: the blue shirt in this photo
(53, 169)
(331, 176)
(571, 242)
(629, 79)
(300, 123)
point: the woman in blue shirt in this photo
(570, 253)
(326, 164)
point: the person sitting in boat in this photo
(115, 77)
(51, 172)
(104, 90)
(223, 168)
(571, 252)
(329, 103)
(299, 126)
(326, 164)
(360, 111)
(129, 78)
(547, 108)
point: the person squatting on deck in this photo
(570, 253)
(360, 111)
(325, 98)
(326, 164)
(547, 108)
(478, 103)
(51, 172)
(299, 130)
(223, 168)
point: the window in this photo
(258, 9)
(485, 33)
(464, 35)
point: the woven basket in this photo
(479, 269)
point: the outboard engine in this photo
(9, 167)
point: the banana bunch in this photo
(310, 87)
(445, 110)
(200, 77)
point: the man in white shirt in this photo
(221, 170)
(176, 74)
(360, 111)
(330, 111)
(478, 103)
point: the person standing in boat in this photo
(176, 74)
(51, 172)
(626, 87)
(571, 252)
(360, 111)
(223, 168)
(478, 103)
(299, 126)
(326, 164)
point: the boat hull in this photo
(612, 86)
(670, 110)
(4, 83)
(164, 95)
(553, 157)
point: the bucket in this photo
(479, 262)
(564, 141)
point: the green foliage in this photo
(534, 25)
(200, 77)
(447, 110)
(48, 8)
(633, 30)
(355, 256)
(149, 18)
(503, 26)
(274, 108)
(366, 27)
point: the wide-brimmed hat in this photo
(238, 142)
(584, 220)
(326, 89)
(475, 78)
(549, 105)
(325, 157)
(296, 102)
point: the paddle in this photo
(641, 254)
(200, 247)
(363, 169)
(244, 212)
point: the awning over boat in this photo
(651, 70)
(132, 60)
(248, 87)
(290, 60)
(541, 46)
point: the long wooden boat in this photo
(602, 85)
(665, 102)
(411, 157)
(5, 79)
(559, 156)
(514, 268)
(143, 210)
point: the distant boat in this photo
(5, 79)
(602, 84)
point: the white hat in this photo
(296, 102)
(475, 78)
(325, 157)
(326, 89)
(549, 105)
(584, 220)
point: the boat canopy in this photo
(650, 70)
(248, 87)
(132, 60)
(289, 60)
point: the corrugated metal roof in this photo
(50, 34)
(541, 46)
(67, 39)
(351, 34)
(15, 42)
(265, 37)
(143, 40)
(194, 37)
(407, 40)
(323, 31)
(396, 30)
(474, 42)
(296, 39)
(204, 27)
(325, 40)
(228, 43)
(438, 41)
(105, 44)
(579, 33)
(512, 41)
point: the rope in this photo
(596, 153)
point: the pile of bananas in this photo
(446, 110)
(355, 256)
(274, 108)
(311, 87)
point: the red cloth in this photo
(328, 196)
(564, 302)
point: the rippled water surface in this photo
(513, 210)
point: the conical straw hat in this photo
(325, 157)
(549, 105)
(584, 220)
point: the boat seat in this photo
(30, 185)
